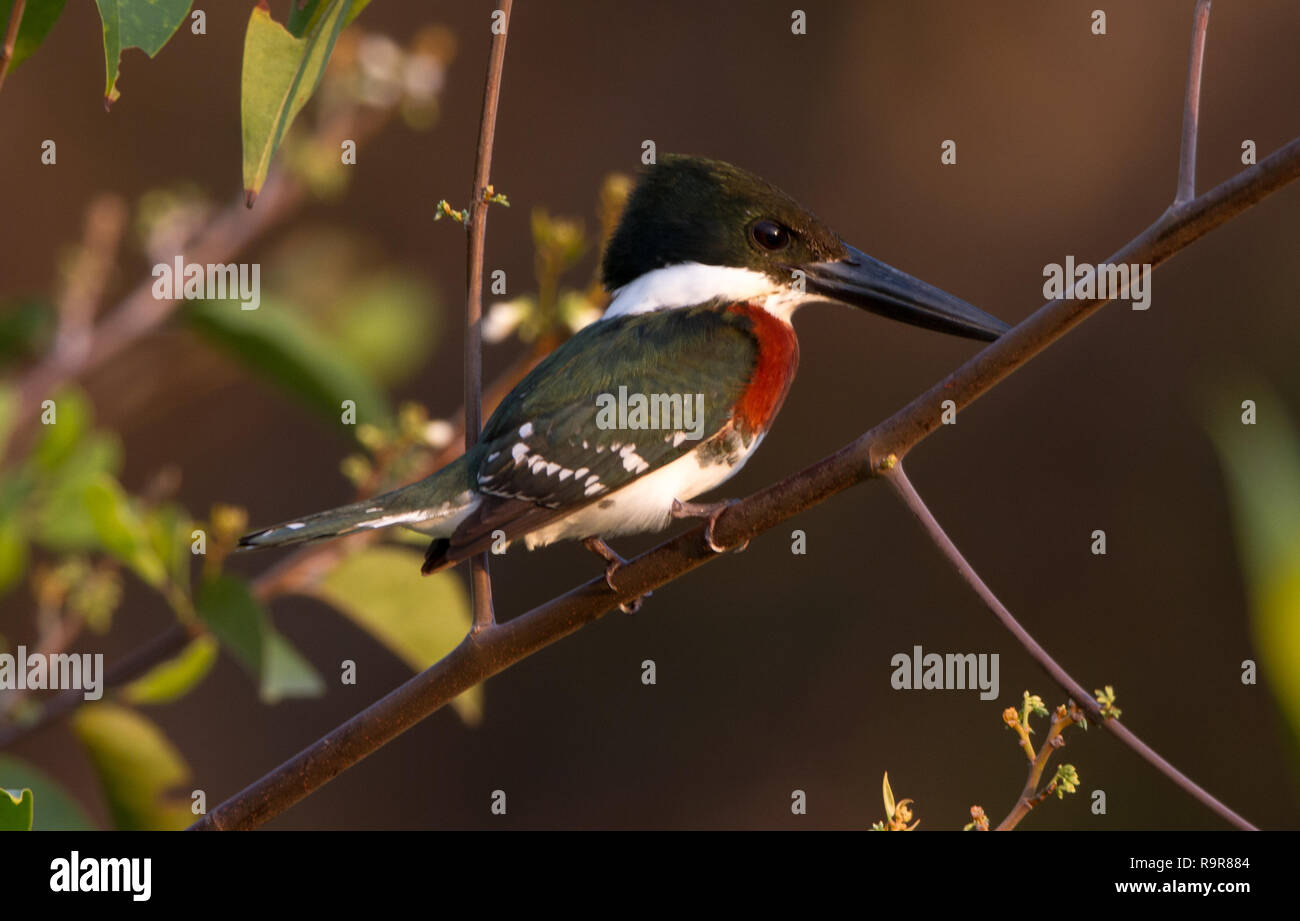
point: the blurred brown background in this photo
(773, 669)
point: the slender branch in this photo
(11, 37)
(480, 656)
(106, 219)
(141, 659)
(903, 486)
(1192, 106)
(1031, 796)
(480, 580)
(140, 313)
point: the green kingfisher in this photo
(669, 393)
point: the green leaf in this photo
(280, 72)
(63, 523)
(173, 679)
(15, 809)
(1262, 467)
(27, 325)
(386, 325)
(13, 554)
(138, 767)
(383, 320)
(229, 608)
(235, 616)
(167, 529)
(143, 24)
(120, 530)
(281, 347)
(8, 409)
(304, 17)
(55, 809)
(419, 618)
(285, 673)
(58, 439)
(38, 18)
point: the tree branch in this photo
(11, 37)
(140, 660)
(1192, 106)
(140, 313)
(485, 653)
(903, 486)
(480, 581)
(1031, 796)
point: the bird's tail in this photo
(432, 505)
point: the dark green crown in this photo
(689, 209)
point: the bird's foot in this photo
(613, 562)
(710, 512)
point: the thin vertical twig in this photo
(480, 579)
(1192, 106)
(11, 38)
(1031, 796)
(903, 486)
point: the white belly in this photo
(643, 505)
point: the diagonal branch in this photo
(903, 486)
(222, 237)
(480, 580)
(480, 656)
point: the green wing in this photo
(549, 442)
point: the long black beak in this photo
(861, 281)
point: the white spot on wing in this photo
(525, 430)
(632, 462)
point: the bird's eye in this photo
(770, 235)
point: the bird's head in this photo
(691, 211)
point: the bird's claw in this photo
(613, 563)
(710, 511)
